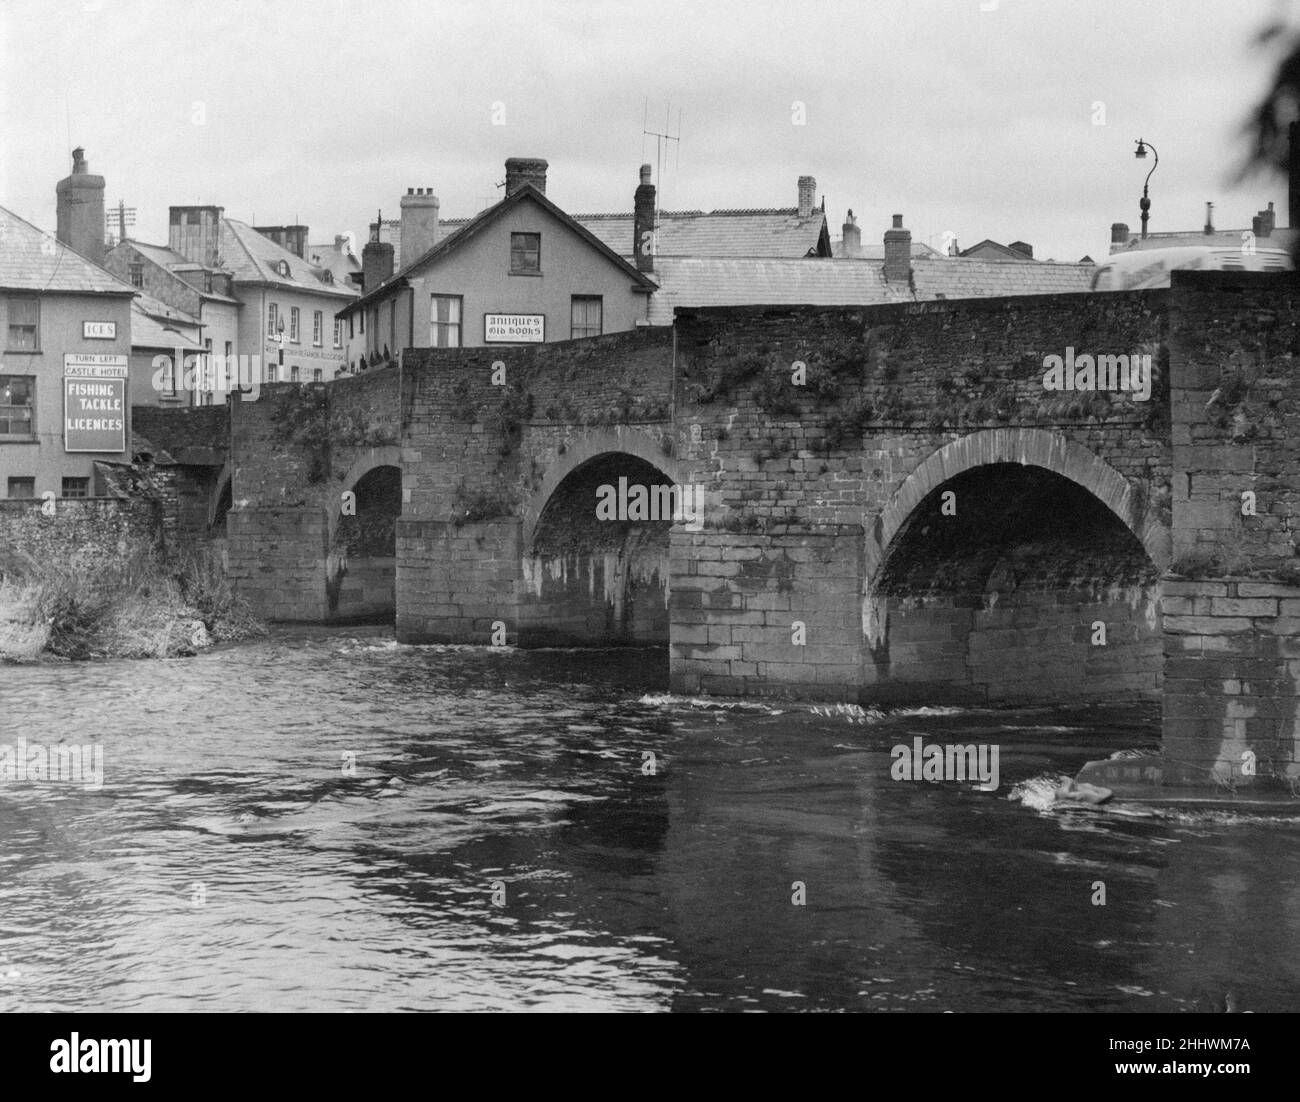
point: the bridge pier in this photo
(768, 613)
(456, 581)
(276, 557)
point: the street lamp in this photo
(1140, 153)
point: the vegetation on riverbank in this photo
(135, 605)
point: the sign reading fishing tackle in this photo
(94, 402)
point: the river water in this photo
(326, 820)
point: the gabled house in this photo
(66, 327)
(521, 271)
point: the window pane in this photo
(76, 487)
(22, 487)
(16, 405)
(24, 314)
(525, 252)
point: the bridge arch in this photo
(1037, 579)
(361, 562)
(592, 579)
(635, 442)
(1028, 447)
(389, 455)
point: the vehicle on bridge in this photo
(1145, 269)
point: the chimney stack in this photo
(79, 205)
(525, 170)
(1023, 248)
(376, 260)
(1118, 236)
(1263, 224)
(1209, 218)
(898, 252)
(291, 238)
(195, 233)
(851, 243)
(419, 223)
(807, 195)
(643, 223)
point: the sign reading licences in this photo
(99, 330)
(94, 402)
(514, 328)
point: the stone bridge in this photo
(891, 504)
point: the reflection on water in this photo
(235, 860)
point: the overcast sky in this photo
(979, 122)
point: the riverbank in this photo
(135, 605)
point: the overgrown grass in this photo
(134, 605)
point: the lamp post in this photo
(1140, 153)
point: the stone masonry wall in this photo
(80, 528)
(887, 385)
(456, 581)
(767, 614)
(1232, 611)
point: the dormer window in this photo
(282, 268)
(328, 276)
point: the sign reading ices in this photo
(514, 328)
(94, 402)
(99, 330)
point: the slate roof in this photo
(151, 332)
(735, 281)
(342, 265)
(920, 250)
(988, 249)
(150, 318)
(159, 254)
(773, 232)
(165, 257)
(253, 258)
(33, 260)
(963, 277)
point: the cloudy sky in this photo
(1016, 122)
